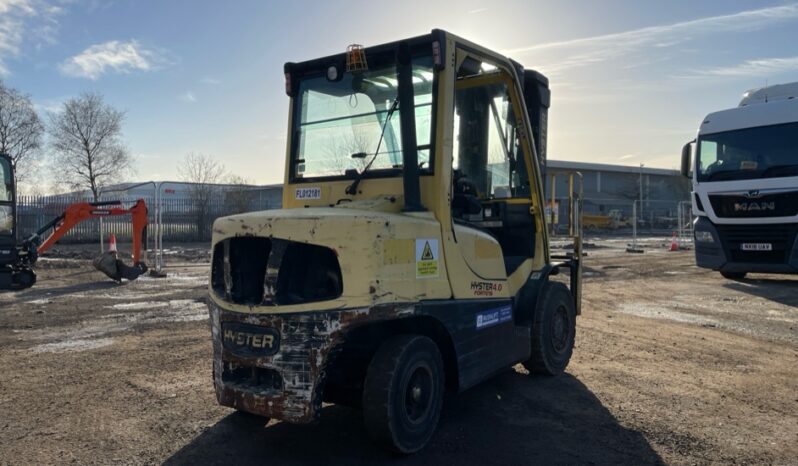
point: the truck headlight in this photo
(704, 237)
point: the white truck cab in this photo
(745, 184)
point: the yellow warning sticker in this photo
(427, 257)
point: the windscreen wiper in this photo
(780, 170)
(725, 175)
(352, 188)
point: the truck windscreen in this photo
(750, 153)
(340, 121)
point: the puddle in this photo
(40, 301)
(88, 333)
(139, 305)
(659, 312)
(79, 344)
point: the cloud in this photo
(50, 105)
(561, 55)
(116, 56)
(210, 81)
(24, 21)
(762, 67)
(188, 96)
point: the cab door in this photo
(492, 196)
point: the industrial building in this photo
(657, 192)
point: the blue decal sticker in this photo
(495, 316)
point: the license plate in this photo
(756, 247)
(250, 340)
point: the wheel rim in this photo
(560, 329)
(418, 394)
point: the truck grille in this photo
(781, 236)
(768, 205)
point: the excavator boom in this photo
(17, 273)
(77, 213)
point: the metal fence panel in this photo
(183, 219)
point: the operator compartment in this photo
(491, 179)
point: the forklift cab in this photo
(8, 237)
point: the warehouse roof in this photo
(605, 167)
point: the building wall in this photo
(608, 187)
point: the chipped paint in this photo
(375, 255)
(307, 341)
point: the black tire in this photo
(403, 393)
(734, 275)
(553, 331)
(22, 279)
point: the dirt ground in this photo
(673, 365)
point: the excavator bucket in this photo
(110, 264)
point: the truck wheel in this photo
(553, 331)
(734, 275)
(403, 393)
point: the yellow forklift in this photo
(411, 254)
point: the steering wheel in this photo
(465, 200)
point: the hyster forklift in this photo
(410, 256)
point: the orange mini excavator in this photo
(16, 263)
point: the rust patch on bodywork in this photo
(308, 343)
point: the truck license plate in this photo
(756, 247)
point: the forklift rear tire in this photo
(734, 275)
(403, 393)
(553, 331)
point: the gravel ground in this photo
(673, 365)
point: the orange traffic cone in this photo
(112, 243)
(674, 242)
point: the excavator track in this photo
(16, 280)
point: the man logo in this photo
(754, 206)
(752, 194)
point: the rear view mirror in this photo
(686, 159)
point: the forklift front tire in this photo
(403, 393)
(553, 331)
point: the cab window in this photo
(5, 181)
(485, 142)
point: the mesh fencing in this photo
(183, 220)
(653, 217)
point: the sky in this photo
(631, 80)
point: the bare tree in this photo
(86, 138)
(21, 130)
(340, 147)
(203, 172)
